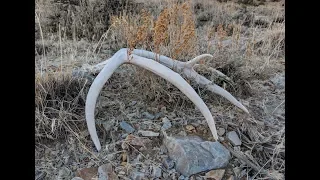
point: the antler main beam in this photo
(185, 68)
(122, 57)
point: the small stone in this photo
(233, 138)
(87, 173)
(191, 155)
(237, 148)
(76, 178)
(122, 173)
(123, 136)
(166, 124)
(215, 174)
(156, 172)
(137, 175)
(190, 128)
(168, 163)
(106, 172)
(221, 131)
(148, 133)
(148, 115)
(90, 164)
(127, 127)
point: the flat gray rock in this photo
(221, 131)
(193, 155)
(233, 138)
(77, 178)
(127, 127)
(148, 133)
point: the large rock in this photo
(193, 155)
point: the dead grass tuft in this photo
(59, 103)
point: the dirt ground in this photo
(255, 65)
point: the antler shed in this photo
(148, 60)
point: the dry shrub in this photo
(172, 33)
(175, 29)
(59, 105)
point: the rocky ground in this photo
(166, 145)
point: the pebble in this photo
(233, 138)
(215, 174)
(221, 131)
(166, 124)
(76, 178)
(190, 128)
(127, 127)
(148, 133)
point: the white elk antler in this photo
(120, 58)
(148, 60)
(185, 68)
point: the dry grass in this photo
(60, 100)
(248, 46)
